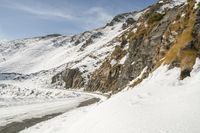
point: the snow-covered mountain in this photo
(150, 58)
(85, 51)
(43, 53)
(60, 59)
(32, 55)
(30, 69)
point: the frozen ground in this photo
(33, 97)
(22, 107)
(160, 104)
(26, 110)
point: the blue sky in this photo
(29, 18)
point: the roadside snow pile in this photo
(10, 91)
(160, 104)
(22, 112)
(13, 95)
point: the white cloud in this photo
(86, 20)
(99, 13)
(46, 13)
(95, 13)
(91, 18)
(94, 17)
(50, 13)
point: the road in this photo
(16, 118)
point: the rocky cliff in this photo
(165, 33)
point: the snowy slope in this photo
(86, 50)
(160, 104)
(27, 65)
(33, 55)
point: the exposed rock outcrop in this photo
(144, 52)
(72, 78)
(196, 33)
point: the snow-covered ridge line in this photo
(31, 56)
(170, 4)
